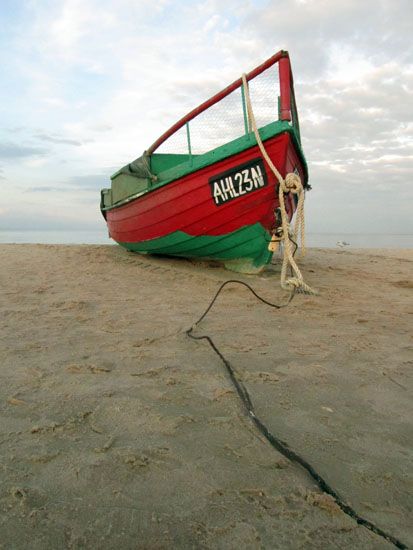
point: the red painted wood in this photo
(217, 97)
(285, 88)
(187, 205)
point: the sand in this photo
(118, 431)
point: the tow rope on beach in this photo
(278, 444)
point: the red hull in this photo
(186, 204)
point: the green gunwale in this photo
(196, 162)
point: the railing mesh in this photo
(225, 121)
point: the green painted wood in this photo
(224, 151)
(124, 185)
(234, 147)
(188, 139)
(244, 111)
(160, 162)
(244, 250)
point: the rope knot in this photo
(292, 184)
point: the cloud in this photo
(78, 184)
(91, 182)
(46, 189)
(101, 128)
(57, 140)
(99, 82)
(11, 151)
(24, 218)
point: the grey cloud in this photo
(57, 140)
(10, 151)
(16, 220)
(359, 151)
(333, 206)
(383, 95)
(16, 129)
(45, 189)
(360, 131)
(80, 184)
(381, 30)
(90, 182)
(190, 90)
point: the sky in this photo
(87, 85)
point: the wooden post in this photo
(285, 88)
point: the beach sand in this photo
(118, 431)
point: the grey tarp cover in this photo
(139, 168)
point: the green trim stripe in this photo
(249, 243)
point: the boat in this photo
(204, 189)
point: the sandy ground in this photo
(118, 431)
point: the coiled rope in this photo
(291, 184)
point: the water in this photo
(359, 240)
(318, 240)
(56, 237)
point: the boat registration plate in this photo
(238, 181)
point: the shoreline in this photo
(116, 428)
(314, 240)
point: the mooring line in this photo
(275, 442)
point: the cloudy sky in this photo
(87, 85)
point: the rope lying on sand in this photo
(277, 443)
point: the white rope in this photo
(291, 184)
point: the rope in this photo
(291, 184)
(274, 441)
(146, 166)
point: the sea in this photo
(317, 240)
